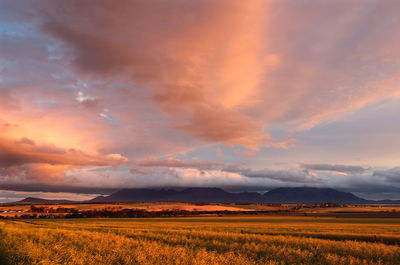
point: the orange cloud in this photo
(31, 159)
(201, 60)
(155, 78)
(46, 172)
(19, 153)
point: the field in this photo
(154, 206)
(201, 240)
(316, 210)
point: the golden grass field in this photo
(153, 206)
(12, 210)
(201, 240)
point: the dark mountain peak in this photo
(311, 195)
(136, 195)
(206, 195)
(203, 189)
(302, 189)
(32, 200)
(99, 199)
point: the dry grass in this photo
(224, 240)
(160, 206)
(155, 206)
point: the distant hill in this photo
(32, 200)
(216, 195)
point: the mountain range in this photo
(217, 195)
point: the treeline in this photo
(127, 213)
(35, 209)
(122, 213)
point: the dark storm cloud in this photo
(293, 176)
(392, 174)
(172, 162)
(334, 167)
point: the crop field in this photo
(201, 240)
(316, 210)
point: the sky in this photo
(96, 96)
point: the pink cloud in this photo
(157, 78)
(197, 71)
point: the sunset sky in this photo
(101, 95)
